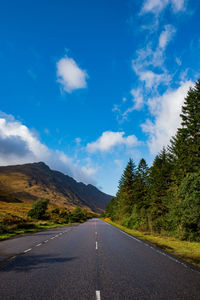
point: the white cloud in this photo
(150, 69)
(138, 102)
(70, 75)
(116, 108)
(152, 79)
(110, 139)
(78, 140)
(137, 98)
(165, 110)
(149, 58)
(166, 36)
(154, 6)
(178, 5)
(19, 145)
(157, 6)
(178, 61)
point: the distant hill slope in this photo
(29, 182)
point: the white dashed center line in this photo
(27, 250)
(38, 244)
(98, 297)
(96, 245)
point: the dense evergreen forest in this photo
(165, 198)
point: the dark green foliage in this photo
(139, 210)
(190, 206)
(185, 146)
(166, 197)
(38, 209)
(112, 208)
(159, 183)
(141, 185)
(55, 211)
(126, 190)
(78, 215)
(11, 222)
(75, 216)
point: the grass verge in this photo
(188, 251)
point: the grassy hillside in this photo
(29, 182)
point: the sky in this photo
(85, 85)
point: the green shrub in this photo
(38, 209)
(78, 215)
(3, 228)
(55, 211)
(11, 222)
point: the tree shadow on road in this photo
(26, 263)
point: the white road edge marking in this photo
(96, 245)
(38, 245)
(46, 241)
(95, 232)
(98, 297)
(27, 250)
(154, 249)
(130, 236)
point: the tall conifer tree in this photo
(140, 185)
(125, 192)
(159, 181)
(185, 146)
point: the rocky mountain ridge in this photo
(29, 182)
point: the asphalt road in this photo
(92, 261)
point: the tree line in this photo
(165, 198)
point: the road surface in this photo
(93, 260)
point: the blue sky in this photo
(87, 84)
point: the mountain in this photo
(29, 182)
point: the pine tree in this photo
(140, 185)
(125, 192)
(185, 146)
(159, 181)
(189, 220)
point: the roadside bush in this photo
(64, 215)
(3, 228)
(59, 216)
(78, 215)
(55, 211)
(12, 222)
(38, 209)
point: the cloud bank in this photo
(166, 111)
(19, 145)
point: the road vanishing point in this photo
(93, 260)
